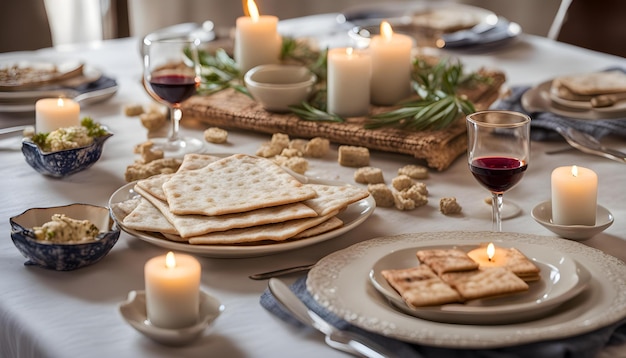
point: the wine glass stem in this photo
(496, 204)
(175, 115)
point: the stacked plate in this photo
(580, 290)
(23, 81)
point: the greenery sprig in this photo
(436, 85)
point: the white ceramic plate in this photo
(340, 283)
(539, 98)
(353, 216)
(561, 279)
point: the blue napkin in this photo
(583, 346)
(543, 124)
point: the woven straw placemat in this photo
(438, 148)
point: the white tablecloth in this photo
(75, 314)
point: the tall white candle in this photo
(391, 66)
(172, 290)
(257, 41)
(348, 82)
(54, 113)
(574, 196)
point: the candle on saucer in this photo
(257, 41)
(489, 256)
(574, 196)
(54, 113)
(391, 66)
(348, 88)
(172, 290)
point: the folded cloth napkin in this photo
(582, 346)
(543, 124)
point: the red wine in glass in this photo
(173, 88)
(498, 174)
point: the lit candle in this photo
(490, 256)
(257, 41)
(574, 196)
(172, 290)
(391, 66)
(348, 84)
(54, 113)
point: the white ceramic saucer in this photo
(542, 213)
(134, 312)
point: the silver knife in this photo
(344, 340)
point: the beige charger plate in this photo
(340, 283)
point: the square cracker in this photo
(154, 185)
(328, 225)
(420, 286)
(194, 225)
(334, 197)
(272, 232)
(146, 217)
(446, 260)
(485, 282)
(234, 184)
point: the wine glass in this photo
(498, 153)
(171, 75)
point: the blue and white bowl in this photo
(63, 162)
(63, 256)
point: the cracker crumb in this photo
(317, 147)
(402, 182)
(382, 194)
(414, 171)
(139, 170)
(369, 175)
(414, 194)
(291, 152)
(403, 203)
(148, 152)
(297, 164)
(298, 144)
(133, 110)
(351, 156)
(216, 135)
(152, 121)
(449, 206)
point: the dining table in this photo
(47, 313)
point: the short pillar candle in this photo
(574, 196)
(54, 113)
(172, 290)
(348, 88)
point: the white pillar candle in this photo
(257, 41)
(54, 113)
(391, 66)
(172, 290)
(574, 196)
(348, 82)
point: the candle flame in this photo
(60, 102)
(252, 10)
(349, 51)
(574, 171)
(170, 260)
(386, 31)
(491, 251)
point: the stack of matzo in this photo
(234, 200)
(589, 87)
(451, 276)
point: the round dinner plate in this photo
(540, 98)
(561, 279)
(340, 283)
(352, 216)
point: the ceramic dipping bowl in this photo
(63, 256)
(277, 87)
(63, 162)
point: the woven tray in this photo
(231, 109)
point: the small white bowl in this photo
(542, 214)
(134, 312)
(277, 87)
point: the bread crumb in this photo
(414, 171)
(402, 182)
(139, 170)
(402, 203)
(382, 194)
(280, 140)
(351, 156)
(369, 175)
(297, 164)
(414, 194)
(449, 206)
(148, 152)
(317, 147)
(133, 110)
(216, 135)
(152, 120)
(291, 152)
(298, 144)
